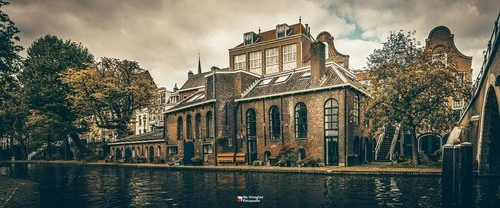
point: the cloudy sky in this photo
(166, 36)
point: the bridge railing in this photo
(484, 68)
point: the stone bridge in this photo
(480, 120)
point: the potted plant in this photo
(196, 160)
(300, 163)
(256, 163)
(282, 162)
(292, 159)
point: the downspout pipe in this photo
(346, 118)
(215, 118)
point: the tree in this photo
(45, 94)
(411, 87)
(110, 92)
(11, 118)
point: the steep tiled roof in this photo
(299, 81)
(196, 80)
(271, 34)
(154, 135)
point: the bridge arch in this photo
(489, 136)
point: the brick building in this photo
(440, 43)
(282, 89)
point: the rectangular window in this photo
(248, 38)
(256, 62)
(207, 151)
(172, 150)
(272, 56)
(290, 53)
(240, 62)
(458, 104)
(272, 60)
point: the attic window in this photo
(282, 30)
(306, 74)
(265, 82)
(282, 79)
(248, 38)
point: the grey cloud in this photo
(166, 36)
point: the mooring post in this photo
(447, 176)
(466, 175)
(456, 175)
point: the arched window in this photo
(210, 123)
(251, 124)
(274, 123)
(331, 132)
(355, 112)
(179, 128)
(197, 126)
(159, 151)
(189, 132)
(301, 121)
(331, 117)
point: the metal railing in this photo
(484, 68)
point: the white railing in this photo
(394, 140)
(379, 142)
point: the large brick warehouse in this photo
(282, 89)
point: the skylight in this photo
(306, 74)
(282, 78)
(266, 81)
(196, 97)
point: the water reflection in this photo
(78, 186)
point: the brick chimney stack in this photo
(190, 73)
(317, 62)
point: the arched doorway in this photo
(251, 135)
(430, 144)
(118, 154)
(128, 154)
(151, 154)
(301, 153)
(491, 134)
(267, 155)
(188, 152)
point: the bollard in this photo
(466, 175)
(447, 177)
(456, 175)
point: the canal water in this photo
(84, 186)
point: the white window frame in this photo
(256, 62)
(272, 55)
(240, 62)
(290, 53)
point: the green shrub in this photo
(256, 163)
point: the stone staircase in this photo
(385, 145)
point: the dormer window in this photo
(282, 30)
(249, 38)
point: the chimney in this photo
(317, 62)
(214, 68)
(190, 73)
